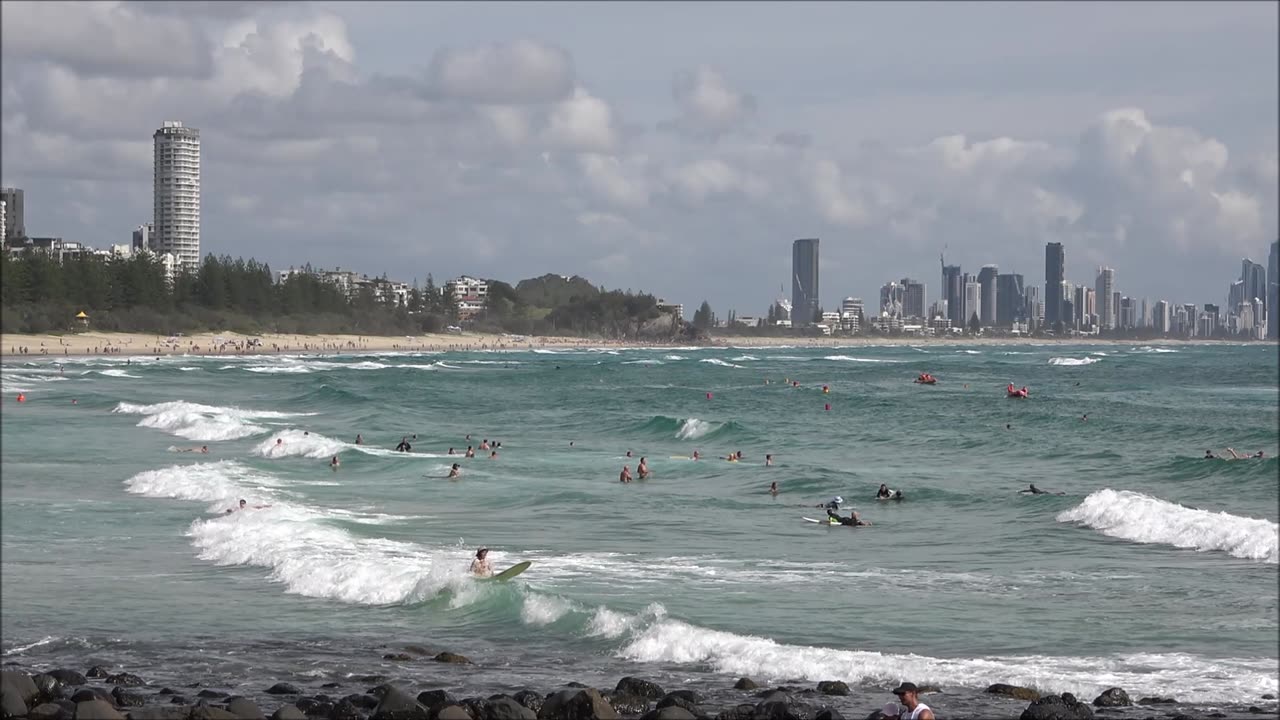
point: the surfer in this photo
(244, 505)
(625, 475)
(833, 504)
(1033, 490)
(854, 520)
(695, 455)
(480, 567)
(455, 471)
(883, 493)
(404, 445)
(1236, 456)
(642, 469)
(1208, 455)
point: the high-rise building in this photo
(15, 227)
(1115, 308)
(1128, 313)
(1080, 307)
(953, 293)
(3, 220)
(913, 298)
(804, 282)
(144, 237)
(1034, 306)
(177, 193)
(1010, 300)
(1273, 291)
(1160, 316)
(1104, 290)
(987, 284)
(1235, 296)
(1144, 316)
(851, 314)
(1054, 260)
(1254, 277)
(972, 300)
(892, 295)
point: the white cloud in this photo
(520, 72)
(708, 104)
(583, 123)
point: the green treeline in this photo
(39, 294)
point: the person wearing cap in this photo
(480, 567)
(833, 504)
(912, 708)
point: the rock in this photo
(11, 703)
(1013, 691)
(48, 687)
(1057, 707)
(212, 694)
(288, 712)
(639, 688)
(368, 701)
(96, 710)
(418, 650)
(674, 700)
(344, 709)
(283, 688)
(575, 685)
(20, 684)
(396, 704)
(473, 706)
(315, 708)
(829, 714)
(160, 712)
(50, 711)
(745, 683)
(1112, 697)
(529, 699)
(398, 657)
(97, 672)
(68, 677)
(671, 712)
(124, 698)
(1157, 701)
(178, 699)
(433, 699)
(246, 709)
(740, 712)
(452, 712)
(833, 687)
(688, 696)
(577, 704)
(628, 704)
(92, 693)
(206, 712)
(331, 685)
(1268, 696)
(375, 679)
(452, 658)
(126, 679)
(507, 708)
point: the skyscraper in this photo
(987, 282)
(1054, 259)
(972, 300)
(14, 223)
(177, 193)
(913, 298)
(892, 295)
(1273, 292)
(804, 281)
(1010, 303)
(1254, 277)
(1104, 288)
(953, 293)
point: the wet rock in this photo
(435, 699)
(283, 688)
(452, 658)
(50, 711)
(212, 694)
(1057, 707)
(639, 688)
(506, 708)
(833, 687)
(320, 709)
(529, 699)
(745, 683)
(20, 685)
(330, 685)
(780, 705)
(288, 712)
(68, 677)
(1268, 696)
(396, 704)
(91, 693)
(48, 687)
(368, 701)
(206, 712)
(828, 714)
(1013, 691)
(671, 712)
(398, 657)
(628, 704)
(245, 708)
(674, 699)
(161, 712)
(577, 704)
(97, 672)
(473, 706)
(572, 684)
(126, 680)
(739, 712)
(96, 710)
(1112, 697)
(178, 699)
(345, 710)
(452, 712)
(11, 704)
(1157, 701)
(124, 698)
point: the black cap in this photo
(905, 687)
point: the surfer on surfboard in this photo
(480, 567)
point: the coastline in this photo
(93, 344)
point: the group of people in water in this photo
(1208, 455)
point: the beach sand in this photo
(102, 343)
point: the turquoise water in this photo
(1154, 569)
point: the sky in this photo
(675, 148)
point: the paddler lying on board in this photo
(852, 521)
(1033, 490)
(480, 567)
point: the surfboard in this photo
(819, 522)
(511, 572)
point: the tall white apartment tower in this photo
(177, 193)
(1104, 287)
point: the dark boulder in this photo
(628, 704)
(377, 691)
(345, 710)
(48, 687)
(367, 701)
(19, 684)
(670, 712)
(318, 708)
(453, 712)
(398, 657)
(1013, 691)
(529, 699)
(208, 694)
(124, 698)
(1112, 697)
(11, 704)
(674, 700)
(160, 712)
(574, 684)
(50, 711)
(97, 672)
(435, 699)
(1157, 701)
(126, 680)
(91, 693)
(1268, 696)
(288, 712)
(738, 712)
(96, 710)
(1057, 707)
(207, 712)
(577, 704)
(828, 714)
(452, 658)
(68, 677)
(473, 706)
(745, 683)
(833, 687)
(397, 704)
(283, 688)
(639, 688)
(246, 709)
(506, 708)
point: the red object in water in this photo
(827, 407)
(708, 396)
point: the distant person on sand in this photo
(455, 471)
(625, 475)
(642, 469)
(480, 567)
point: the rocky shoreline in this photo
(107, 693)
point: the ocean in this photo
(1154, 570)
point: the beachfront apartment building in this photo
(676, 309)
(470, 295)
(176, 193)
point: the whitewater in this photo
(1153, 570)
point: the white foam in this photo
(1144, 519)
(220, 483)
(194, 421)
(717, 361)
(303, 443)
(1149, 349)
(38, 643)
(674, 357)
(278, 369)
(744, 358)
(609, 623)
(117, 372)
(1071, 362)
(643, 362)
(846, 358)
(970, 352)
(1192, 679)
(693, 428)
(539, 610)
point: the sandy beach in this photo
(102, 343)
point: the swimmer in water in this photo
(404, 445)
(883, 492)
(333, 463)
(493, 455)
(244, 505)
(451, 452)
(484, 444)
(768, 460)
(455, 471)
(359, 439)
(625, 475)
(279, 442)
(628, 453)
(480, 567)
(773, 488)
(696, 455)
(1084, 417)
(470, 452)
(642, 469)
(1208, 455)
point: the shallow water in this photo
(1155, 570)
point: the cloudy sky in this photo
(674, 147)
